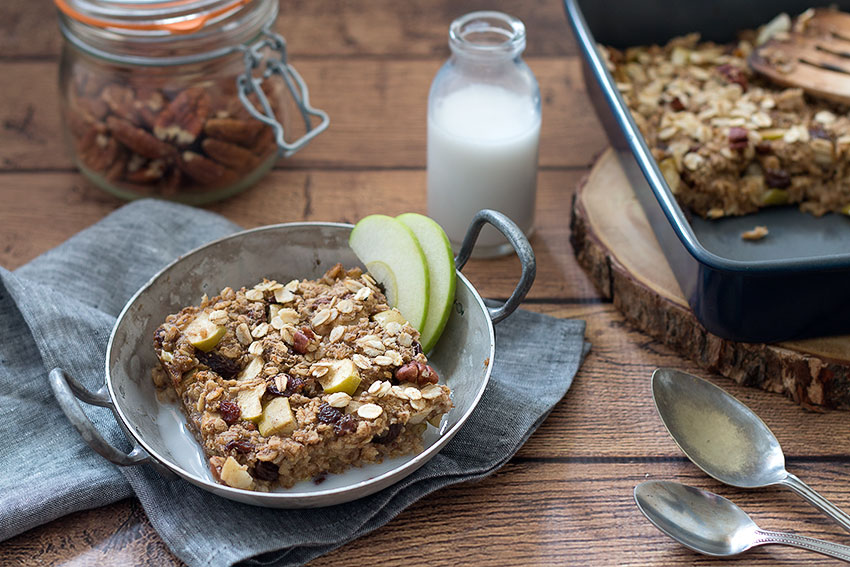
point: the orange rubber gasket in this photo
(183, 26)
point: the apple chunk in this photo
(249, 402)
(342, 376)
(391, 253)
(441, 274)
(388, 316)
(236, 475)
(277, 418)
(251, 370)
(203, 334)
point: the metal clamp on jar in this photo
(182, 99)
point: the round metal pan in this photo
(158, 430)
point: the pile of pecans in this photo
(158, 141)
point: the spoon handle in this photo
(817, 500)
(836, 550)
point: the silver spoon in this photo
(713, 525)
(726, 439)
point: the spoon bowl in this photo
(699, 520)
(712, 525)
(726, 439)
(718, 433)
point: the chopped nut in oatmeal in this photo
(756, 233)
(282, 383)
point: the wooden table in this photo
(566, 498)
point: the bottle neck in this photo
(487, 37)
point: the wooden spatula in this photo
(814, 55)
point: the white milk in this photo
(482, 153)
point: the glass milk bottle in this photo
(483, 130)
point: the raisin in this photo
(777, 178)
(158, 338)
(417, 348)
(733, 75)
(266, 471)
(320, 478)
(312, 388)
(239, 445)
(347, 424)
(329, 414)
(677, 105)
(256, 312)
(764, 148)
(817, 131)
(738, 138)
(294, 385)
(388, 436)
(225, 367)
(230, 412)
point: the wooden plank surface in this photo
(377, 109)
(531, 512)
(381, 28)
(566, 498)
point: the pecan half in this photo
(92, 109)
(150, 172)
(119, 165)
(171, 182)
(203, 170)
(98, 151)
(121, 101)
(300, 342)
(242, 132)
(229, 155)
(148, 105)
(417, 373)
(183, 119)
(265, 142)
(138, 140)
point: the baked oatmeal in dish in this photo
(727, 141)
(287, 382)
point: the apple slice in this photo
(203, 334)
(391, 253)
(441, 274)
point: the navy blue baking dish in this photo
(795, 283)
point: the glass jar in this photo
(483, 130)
(178, 99)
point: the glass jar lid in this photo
(163, 32)
(169, 16)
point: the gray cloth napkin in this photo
(59, 309)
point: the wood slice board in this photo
(615, 245)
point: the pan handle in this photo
(68, 391)
(520, 245)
